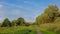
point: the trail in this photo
(37, 30)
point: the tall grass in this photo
(51, 27)
(17, 30)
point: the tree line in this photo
(50, 15)
(19, 22)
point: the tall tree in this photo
(48, 15)
(51, 11)
(20, 21)
(6, 23)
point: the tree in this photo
(6, 23)
(57, 20)
(20, 21)
(51, 11)
(29, 24)
(43, 18)
(14, 22)
(48, 16)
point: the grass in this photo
(51, 27)
(17, 30)
(23, 30)
(46, 32)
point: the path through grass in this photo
(23, 30)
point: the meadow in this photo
(17, 30)
(23, 30)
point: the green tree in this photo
(29, 24)
(6, 23)
(51, 11)
(20, 21)
(48, 16)
(43, 18)
(14, 22)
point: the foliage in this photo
(49, 15)
(6, 23)
(20, 21)
(28, 24)
(17, 30)
(14, 22)
(50, 19)
(42, 19)
(57, 20)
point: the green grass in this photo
(23, 30)
(17, 30)
(46, 32)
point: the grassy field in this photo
(17, 30)
(46, 32)
(22, 30)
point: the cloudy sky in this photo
(28, 9)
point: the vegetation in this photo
(6, 23)
(50, 19)
(20, 21)
(49, 15)
(17, 30)
(48, 23)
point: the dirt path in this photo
(37, 30)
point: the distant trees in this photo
(20, 21)
(14, 22)
(6, 23)
(49, 15)
(29, 24)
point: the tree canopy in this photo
(6, 23)
(20, 21)
(49, 15)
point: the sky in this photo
(28, 9)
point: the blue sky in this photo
(28, 9)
